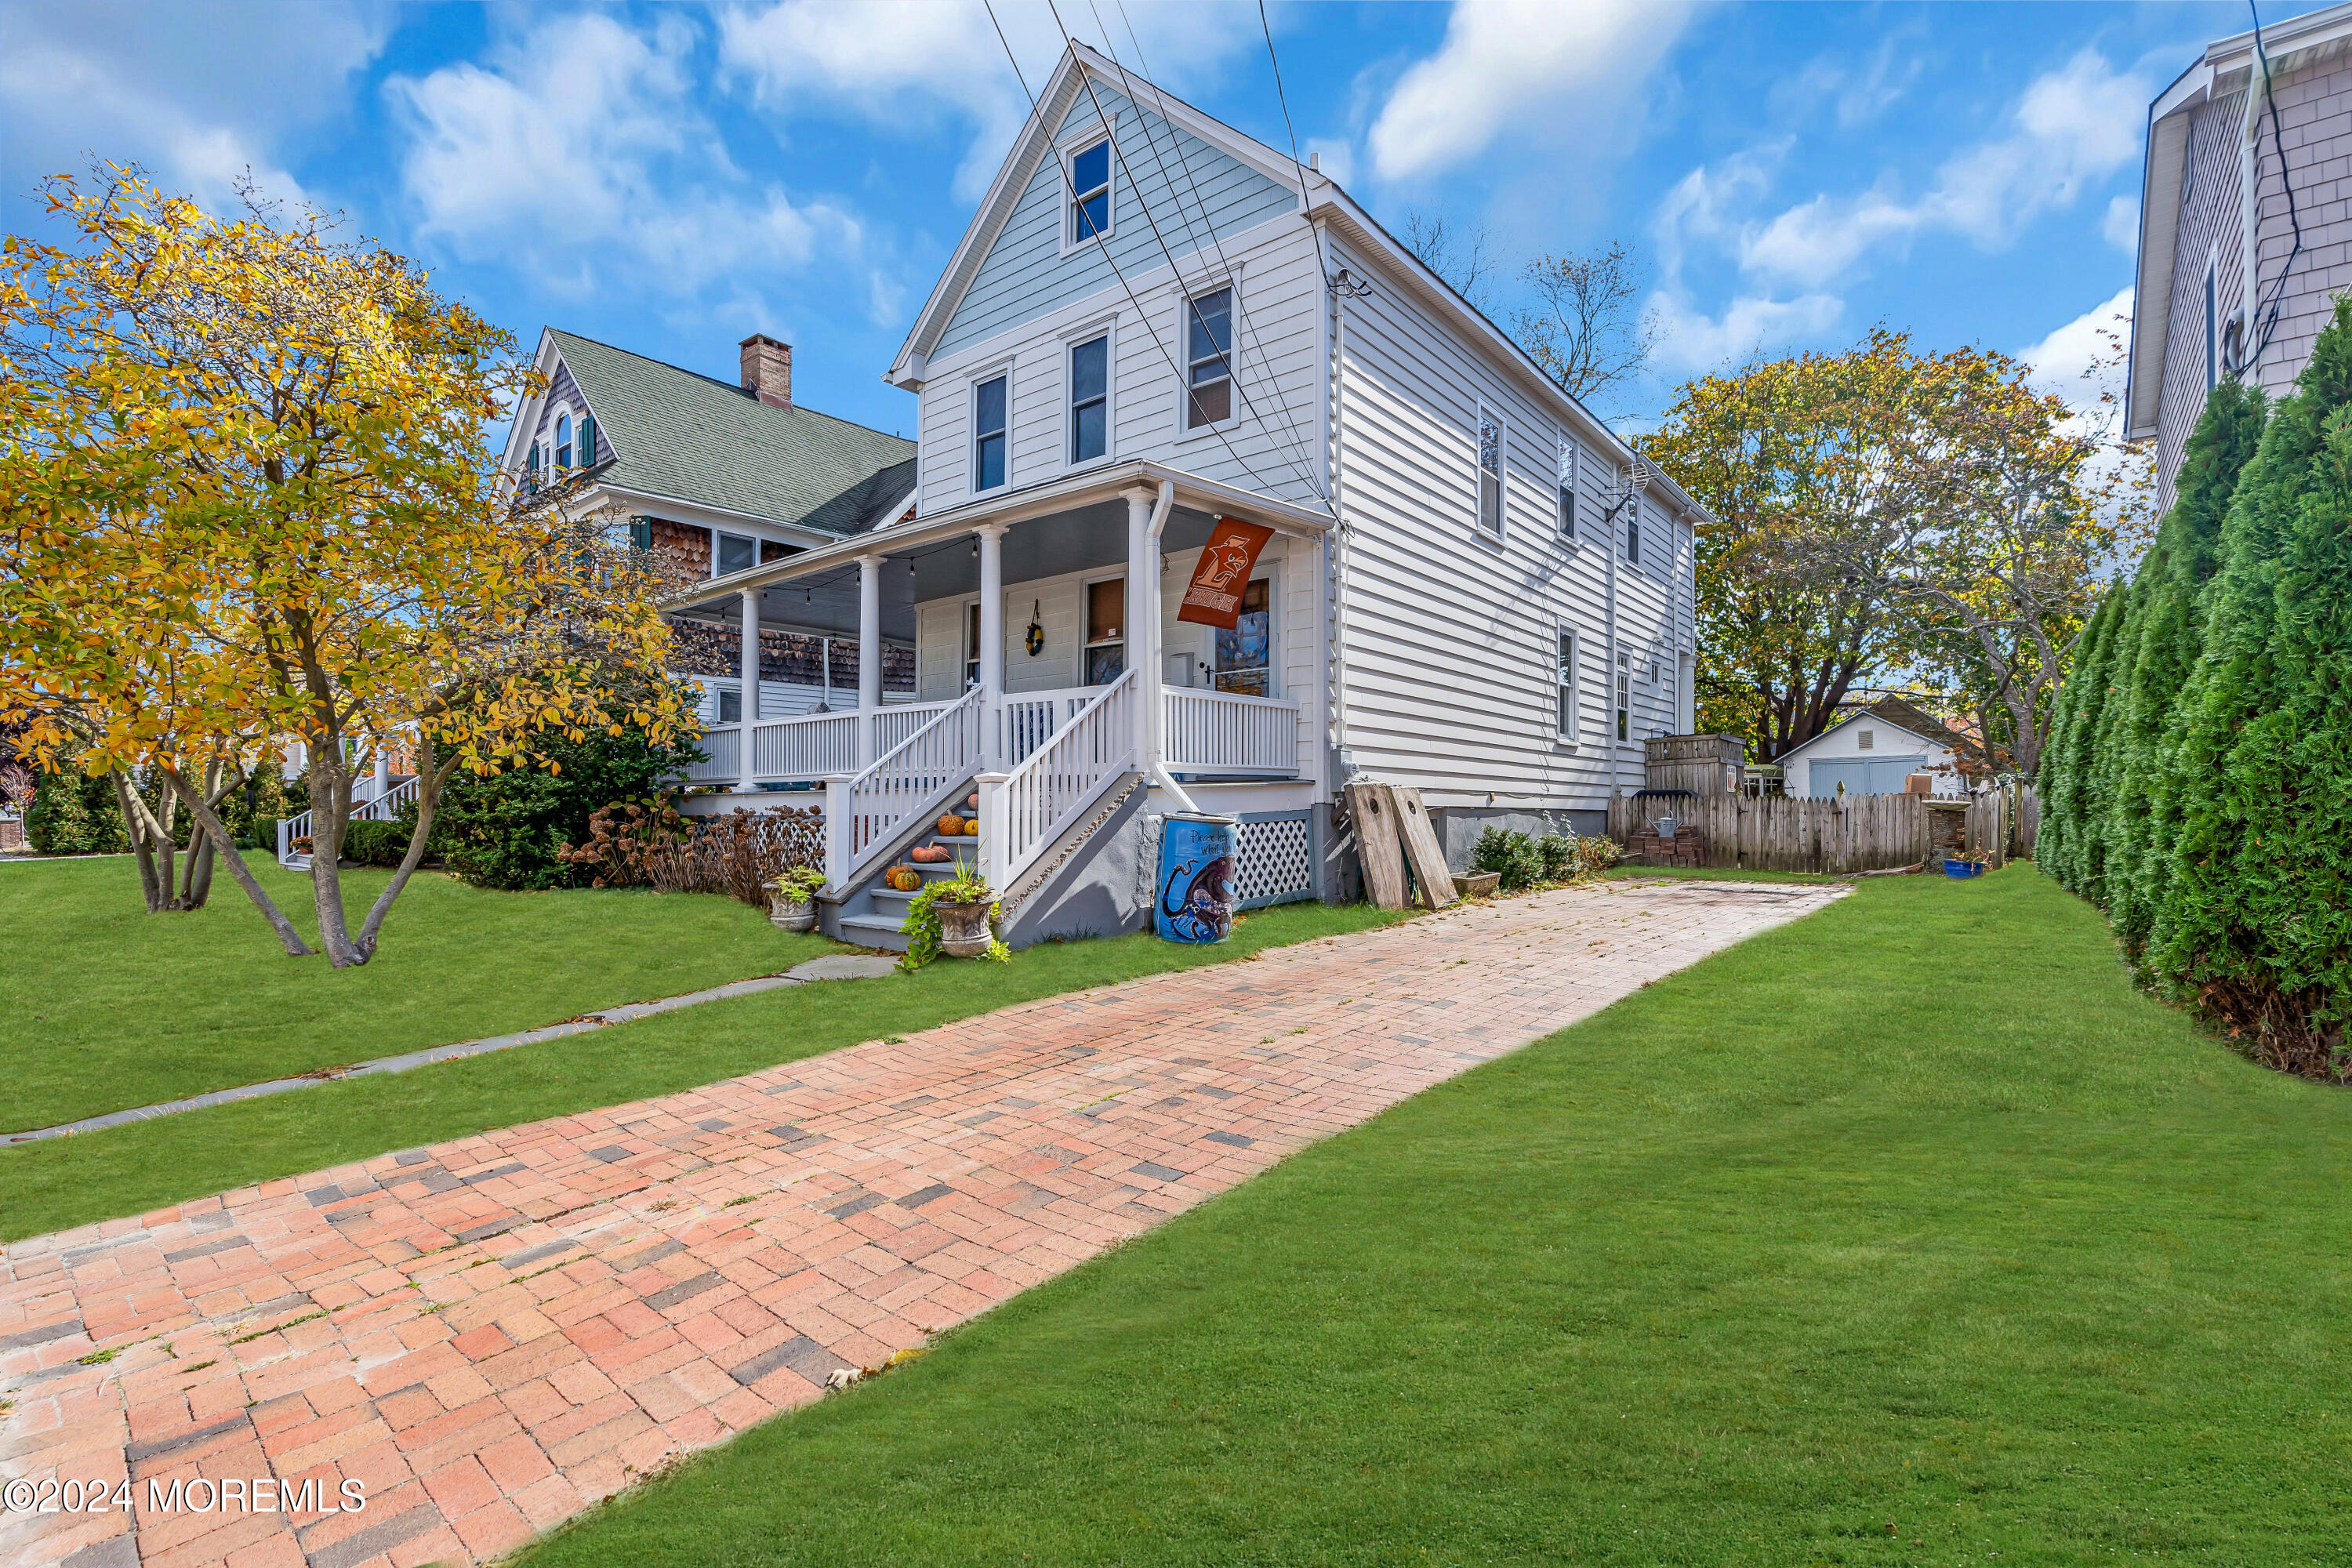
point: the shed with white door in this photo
(1877, 750)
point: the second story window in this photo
(737, 553)
(563, 440)
(1633, 532)
(988, 434)
(1208, 340)
(1091, 194)
(1567, 490)
(1490, 475)
(1090, 400)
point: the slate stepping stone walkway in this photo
(485, 1337)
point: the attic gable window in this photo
(1090, 193)
(563, 440)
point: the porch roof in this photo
(1095, 490)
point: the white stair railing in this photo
(913, 779)
(1226, 732)
(1031, 718)
(897, 720)
(810, 746)
(1024, 812)
(383, 808)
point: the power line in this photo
(1292, 440)
(1191, 305)
(1125, 286)
(2278, 290)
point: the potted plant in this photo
(954, 916)
(791, 899)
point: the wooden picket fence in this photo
(1853, 833)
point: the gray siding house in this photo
(1156, 333)
(2245, 222)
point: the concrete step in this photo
(874, 931)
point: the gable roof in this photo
(689, 437)
(1912, 720)
(1321, 201)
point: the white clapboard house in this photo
(1155, 328)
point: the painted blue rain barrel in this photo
(1200, 877)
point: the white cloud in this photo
(1690, 339)
(580, 151)
(2069, 128)
(1854, 95)
(897, 63)
(172, 87)
(2120, 227)
(2063, 361)
(1521, 66)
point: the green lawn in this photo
(108, 1006)
(128, 1170)
(1907, 1233)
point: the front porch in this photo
(1048, 662)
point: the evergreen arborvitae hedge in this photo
(2163, 634)
(2254, 922)
(2062, 845)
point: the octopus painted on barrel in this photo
(1200, 877)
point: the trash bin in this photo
(1200, 877)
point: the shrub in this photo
(372, 843)
(1513, 855)
(74, 813)
(505, 830)
(651, 843)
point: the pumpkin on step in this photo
(905, 879)
(952, 826)
(930, 853)
(972, 801)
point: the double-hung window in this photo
(563, 440)
(1208, 361)
(1624, 696)
(1090, 193)
(1567, 451)
(1565, 680)
(1106, 648)
(1633, 531)
(988, 434)
(1490, 475)
(972, 646)
(1090, 400)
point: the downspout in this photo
(1155, 764)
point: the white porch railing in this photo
(1031, 718)
(912, 780)
(894, 723)
(718, 743)
(383, 808)
(1224, 732)
(810, 746)
(1045, 795)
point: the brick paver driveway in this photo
(489, 1335)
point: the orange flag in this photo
(1214, 597)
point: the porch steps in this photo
(885, 907)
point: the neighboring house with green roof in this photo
(720, 477)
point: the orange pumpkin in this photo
(950, 826)
(930, 853)
(905, 879)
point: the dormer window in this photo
(563, 440)
(1090, 193)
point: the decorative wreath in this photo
(1035, 639)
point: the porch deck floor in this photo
(491, 1335)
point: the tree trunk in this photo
(210, 825)
(429, 780)
(330, 810)
(126, 802)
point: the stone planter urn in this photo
(786, 912)
(964, 928)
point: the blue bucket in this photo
(1963, 868)
(1200, 877)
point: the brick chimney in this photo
(768, 370)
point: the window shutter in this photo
(587, 440)
(641, 533)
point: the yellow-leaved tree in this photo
(252, 504)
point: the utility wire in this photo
(1125, 288)
(1191, 305)
(1293, 441)
(2278, 290)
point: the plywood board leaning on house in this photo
(1421, 849)
(1376, 833)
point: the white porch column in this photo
(1143, 619)
(991, 642)
(383, 771)
(869, 654)
(750, 599)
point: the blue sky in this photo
(669, 178)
